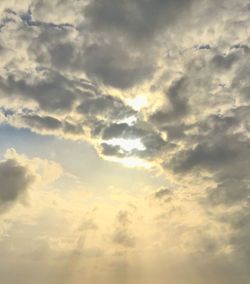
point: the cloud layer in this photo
(70, 69)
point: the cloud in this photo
(163, 192)
(15, 180)
(50, 93)
(115, 66)
(178, 103)
(128, 19)
(224, 62)
(204, 156)
(122, 235)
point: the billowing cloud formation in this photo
(71, 68)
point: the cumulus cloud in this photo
(15, 181)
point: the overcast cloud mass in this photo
(125, 141)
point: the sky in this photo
(125, 141)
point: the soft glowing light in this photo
(127, 144)
(135, 163)
(130, 120)
(138, 102)
(131, 162)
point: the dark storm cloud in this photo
(114, 130)
(204, 156)
(53, 93)
(55, 48)
(138, 20)
(15, 180)
(110, 62)
(126, 35)
(178, 103)
(114, 65)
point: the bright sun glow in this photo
(138, 102)
(135, 163)
(131, 162)
(127, 144)
(130, 120)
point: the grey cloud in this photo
(122, 235)
(105, 105)
(153, 143)
(203, 47)
(245, 47)
(39, 122)
(15, 180)
(149, 138)
(175, 132)
(224, 61)
(230, 191)
(140, 20)
(51, 124)
(111, 63)
(123, 238)
(124, 130)
(202, 155)
(126, 38)
(57, 94)
(53, 93)
(73, 128)
(56, 48)
(114, 130)
(178, 103)
(163, 192)
(114, 65)
(205, 113)
(62, 55)
(111, 150)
